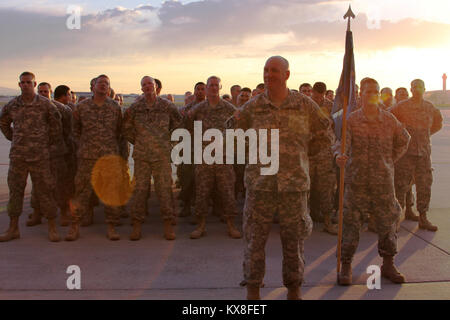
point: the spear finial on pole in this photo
(350, 15)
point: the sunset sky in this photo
(183, 42)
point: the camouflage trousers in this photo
(323, 186)
(295, 227)
(143, 172)
(63, 190)
(42, 180)
(417, 169)
(380, 202)
(88, 175)
(239, 170)
(219, 177)
(186, 177)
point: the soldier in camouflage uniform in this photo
(187, 193)
(213, 113)
(375, 140)
(298, 119)
(36, 126)
(148, 124)
(321, 169)
(422, 120)
(58, 160)
(97, 124)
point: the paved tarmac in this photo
(211, 267)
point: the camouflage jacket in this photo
(299, 121)
(373, 146)
(421, 120)
(97, 129)
(211, 118)
(149, 128)
(64, 144)
(37, 125)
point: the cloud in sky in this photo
(225, 29)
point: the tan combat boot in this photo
(169, 234)
(389, 271)
(293, 293)
(201, 230)
(329, 227)
(64, 219)
(253, 293)
(136, 233)
(53, 235)
(410, 215)
(74, 232)
(232, 231)
(425, 224)
(345, 276)
(35, 218)
(88, 219)
(112, 234)
(13, 230)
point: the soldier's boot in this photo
(88, 219)
(12, 232)
(136, 233)
(345, 276)
(112, 234)
(329, 227)
(201, 229)
(74, 232)
(35, 218)
(410, 215)
(232, 231)
(64, 219)
(53, 235)
(293, 293)
(372, 226)
(425, 224)
(169, 234)
(389, 271)
(123, 212)
(253, 293)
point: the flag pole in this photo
(349, 15)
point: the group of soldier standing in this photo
(75, 154)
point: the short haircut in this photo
(199, 84)
(214, 77)
(226, 96)
(101, 76)
(401, 88)
(45, 84)
(417, 80)
(386, 89)
(261, 86)
(320, 87)
(234, 86)
(366, 81)
(61, 91)
(27, 73)
(158, 83)
(284, 60)
(245, 89)
(93, 81)
(328, 91)
(305, 84)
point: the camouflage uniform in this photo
(97, 131)
(373, 146)
(58, 162)
(298, 120)
(149, 128)
(37, 125)
(421, 120)
(186, 171)
(214, 176)
(323, 174)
